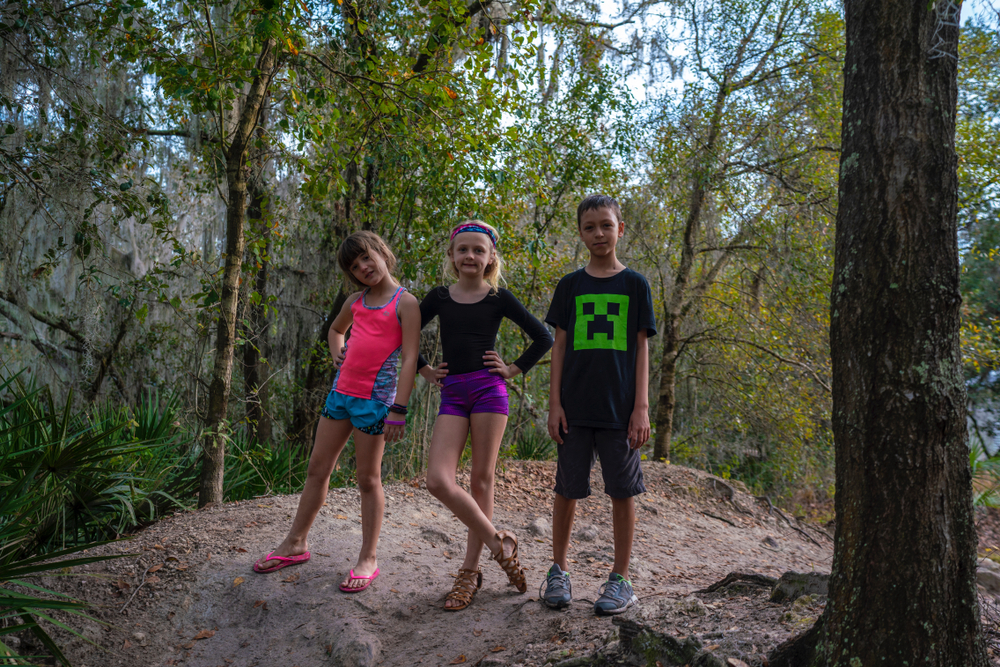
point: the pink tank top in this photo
(369, 368)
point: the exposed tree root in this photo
(745, 577)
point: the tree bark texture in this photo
(903, 583)
(213, 462)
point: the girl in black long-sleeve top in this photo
(474, 396)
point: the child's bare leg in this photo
(331, 436)
(487, 433)
(563, 511)
(368, 454)
(623, 518)
(447, 443)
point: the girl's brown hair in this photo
(362, 243)
(493, 274)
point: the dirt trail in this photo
(198, 580)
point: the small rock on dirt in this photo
(352, 646)
(139, 637)
(435, 534)
(988, 579)
(540, 528)
(793, 585)
(585, 533)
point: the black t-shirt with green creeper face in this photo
(602, 318)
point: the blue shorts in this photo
(366, 415)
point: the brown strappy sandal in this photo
(510, 564)
(466, 584)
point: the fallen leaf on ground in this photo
(189, 645)
(155, 568)
(736, 662)
(290, 578)
(458, 661)
(204, 634)
(393, 590)
(237, 581)
(477, 632)
(340, 516)
(127, 644)
(153, 580)
(258, 603)
(712, 647)
(497, 649)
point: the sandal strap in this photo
(466, 584)
(511, 566)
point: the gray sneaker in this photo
(616, 596)
(558, 591)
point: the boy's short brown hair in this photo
(361, 243)
(593, 202)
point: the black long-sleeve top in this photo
(469, 330)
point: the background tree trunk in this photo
(903, 585)
(256, 349)
(222, 372)
(318, 380)
(666, 401)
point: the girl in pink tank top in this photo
(384, 320)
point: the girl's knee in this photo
(318, 471)
(438, 486)
(482, 485)
(369, 483)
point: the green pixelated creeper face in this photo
(601, 322)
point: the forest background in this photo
(175, 179)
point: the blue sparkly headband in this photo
(473, 227)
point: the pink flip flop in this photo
(285, 562)
(369, 579)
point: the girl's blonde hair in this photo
(493, 275)
(361, 243)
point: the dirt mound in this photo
(186, 595)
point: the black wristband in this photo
(398, 409)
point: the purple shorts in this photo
(468, 393)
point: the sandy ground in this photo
(185, 593)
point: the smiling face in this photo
(600, 230)
(369, 268)
(471, 253)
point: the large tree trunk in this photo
(903, 585)
(222, 371)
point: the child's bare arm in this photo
(638, 423)
(409, 320)
(343, 322)
(557, 416)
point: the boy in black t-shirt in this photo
(599, 396)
